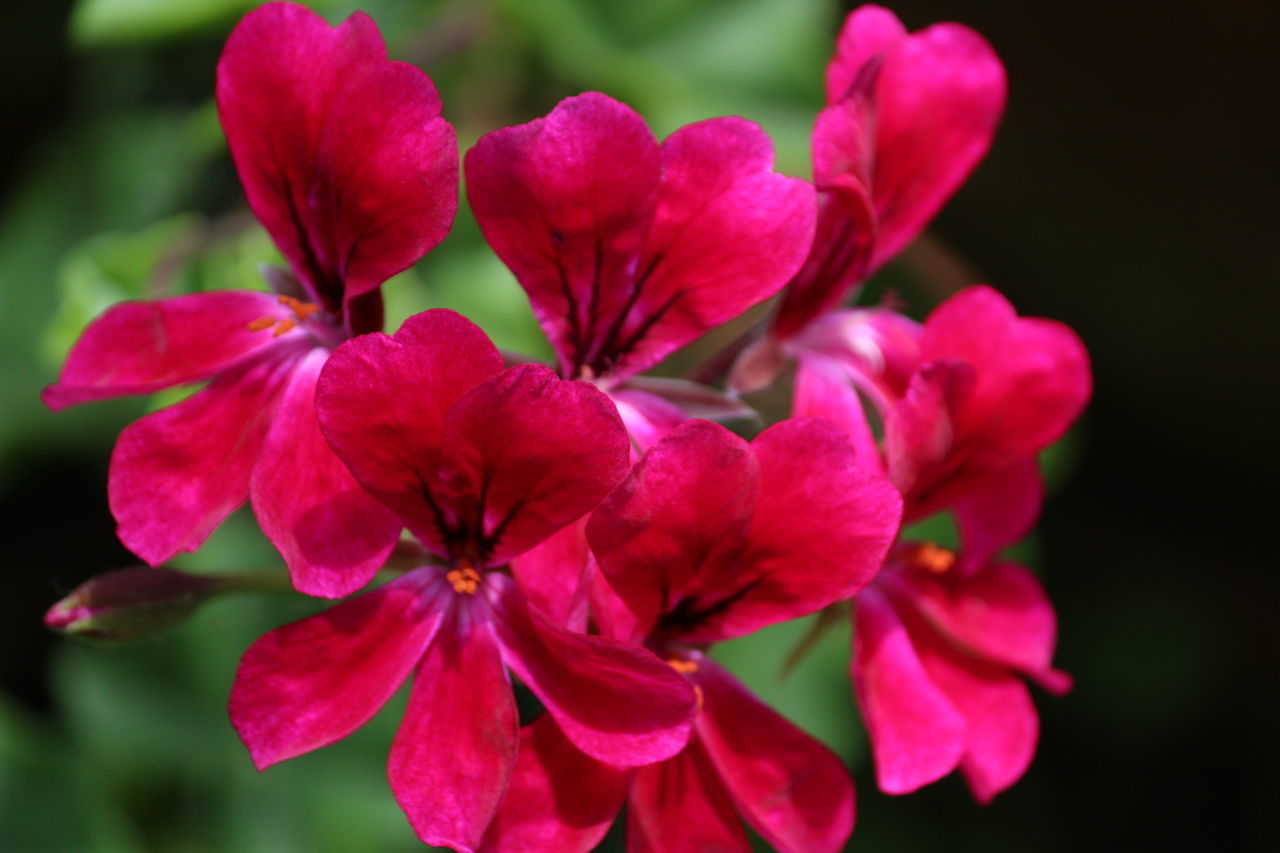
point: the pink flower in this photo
(629, 249)
(938, 668)
(987, 392)
(348, 165)
(481, 464)
(908, 117)
(711, 538)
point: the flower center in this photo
(301, 311)
(933, 558)
(465, 580)
(684, 667)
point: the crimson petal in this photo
(313, 682)
(456, 747)
(334, 537)
(343, 154)
(792, 789)
(996, 510)
(615, 701)
(382, 400)
(141, 347)
(681, 806)
(177, 473)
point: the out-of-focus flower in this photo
(348, 165)
(481, 464)
(908, 117)
(708, 539)
(938, 667)
(629, 249)
(130, 604)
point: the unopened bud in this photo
(131, 604)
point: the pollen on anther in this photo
(933, 558)
(465, 580)
(684, 667)
(262, 323)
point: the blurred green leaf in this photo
(101, 22)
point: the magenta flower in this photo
(708, 539)
(629, 249)
(908, 117)
(938, 668)
(348, 165)
(988, 391)
(481, 464)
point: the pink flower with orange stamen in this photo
(349, 166)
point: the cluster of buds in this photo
(584, 529)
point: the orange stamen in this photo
(933, 558)
(465, 580)
(684, 667)
(262, 323)
(283, 326)
(301, 311)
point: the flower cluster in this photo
(583, 530)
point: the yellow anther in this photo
(301, 311)
(465, 580)
(933, 558)
(684, 667)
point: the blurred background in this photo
(1131, 193)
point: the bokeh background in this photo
(1131, 192)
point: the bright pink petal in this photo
(333, 535)
(997, 510)
(1031, 376)
(554, 576)
(177, 473)
(938, 96)
(615, 701)
(819, 533)
(727, 233)
(684, 510)
(681, 806)
(648, 418)
(525, 453)
(878, 348)
(382, 401)
(1001, 725)
(1000, 614)
(920, 435)
(822, 390)
(565, 201)
(343, 154)
(560, 799)
(792, 789)
(313, 682)
(140, 347)
(917, 736)
(456, 747)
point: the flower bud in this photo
(131, 603)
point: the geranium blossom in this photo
(908, 117)
(348, 165)
(709, 539)
(938, 667)
(481, 464)
(629, 249)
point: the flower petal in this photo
(560, 799)
(615, 701)
(819, 533)
(141, 347)
(177, 473)
(1001, 725)
(681, 806)
(525, 453)
(381, 403)
(684, 510)
(565, 201)
(938, 96)
(332, 534)
(727, 233)
(997, 510)
(822, 390)
(313, 682)
(343, 154)
(792, 789)
(917, 736)
(547, 572)
(920, 435)
(456, 747)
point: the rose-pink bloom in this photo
(629, 249)
(909, 116)
(711, 538)
(483, 465)
(938, 667)
(348, 165)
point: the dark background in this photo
(1131, 193)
